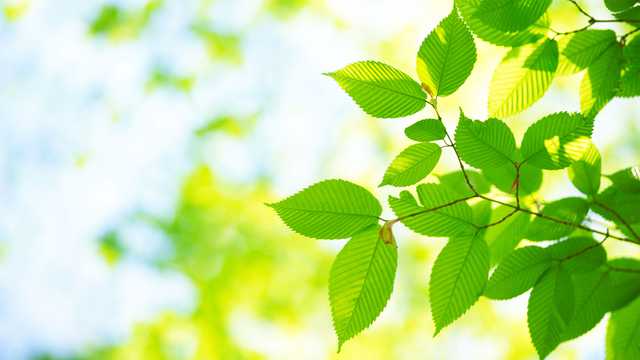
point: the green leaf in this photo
(625, 204)
(550, 308)
(412, 165)
(511, 15)
(502, 238)
(485, 144)
(601, 81)
(381, 90)
(631, 16)
(585, 173)
(625, 285)
(426, 130)
(458, 278)
(481, 213)
(330, 209)
(578, 254)
(627, 180)
(518, 272)
(523, 76)
(557, 140)
(623, 333)
(630, 78)
(361, 282)
(619, 5)
(451, 220)
(504, 177)
(468, 9)
(578, 51)
(592, 302)
(446, 56)
(571, 210)
(455, 182)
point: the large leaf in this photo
(523, 76)
(468, 9)
(446, 56)
(381, 90)
(592, 302)
(511, 15)
(426, 130)
(557, 140)
(330, 209)
(518, 272)
(485, 144)
(625, 285)
(502, 238)
(623, 333)
(585, 173)
(451, 220)
(458, 278)
(578, 51)
(578, 254)
(361, 282)
(412, 165)
(627, 180)
(570, 210)
(600, 82)
(550, 309)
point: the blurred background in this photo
(139, 140)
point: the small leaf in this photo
(456, 182)
(557, 140)
(623, 333)
(412, 165)
(446, 56)
(585, 173)
(485, 144)
(518, 272)
(570, 210)
(625, 286)
(627, 180)
(511, 15)
(592, 302)
(361, 282)
(550, 308)
(502, 238)
(523, 76)
(426, 130)
(330, 209)
(601, 81)
(591, 254)
(578, 51)
(458, 278)
(381, 90)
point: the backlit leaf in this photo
(426, 130)
(518, 272)
(511, 15)
(585, 173)
(484, 144)
(412, 165)
(570, 210)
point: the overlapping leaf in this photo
(627, 180)
(506, 177)
(625, 281)
(571, 211)
(485, 144)
(592, 302)
(503, 237)
(578, 51)
(518, 272)
(601, 81)
(457, 183)
(585, 173)
(623, 333)
(578, 254)
(623, 204)
(511, 15)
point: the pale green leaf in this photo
(511, 15)
(623, 333)
(412, 165)
(592, 302)
(426, 130)
(601, 81)
(502, 238)
(523, 76)
(381, 90)
(578, 51)
(330, 209)
(570, 210)
(446, 56)
(484, 144)
(361, 282)
(518, 272)
(458, 278)
(627, 180)
(578, 254)
(557, 140)
(585, 173)
(456, 182)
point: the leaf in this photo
(504, 177)
(361, 282)
(591, 254)
(601, 82)
(619, 5)
(381, 90)
(578, 51)
(550, 308)
(630, 77)
(623, 333)
(451, 220)
(592, 302)
(585, 173)
(484, 144)
(627, 180)
(625, 204)
(330, 209)
(456, 182)
(482, 213)
(412, 165)
(511, 15)
(502, 238)
(631, 16)
(625, 286)
(446, 56)
(468, 9)
(557, 140)
(571, 210)
(458, 278)
(426, 130)
(523, 76)
(518, 272)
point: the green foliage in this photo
(412, 165)
(586, 172)
(360, 282)
(380, 90)
(446, 57)
(504, 178)
(600, 84)
(623, 333)
(511, 15)
(578, 51)
(518, 272)
(625, 285)
(426, 130)
(456, 182)
(485, 144)
(627, 180)
(592, 255)
(458, 278)
(592, 302)
(570, 210)
(502, 238)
